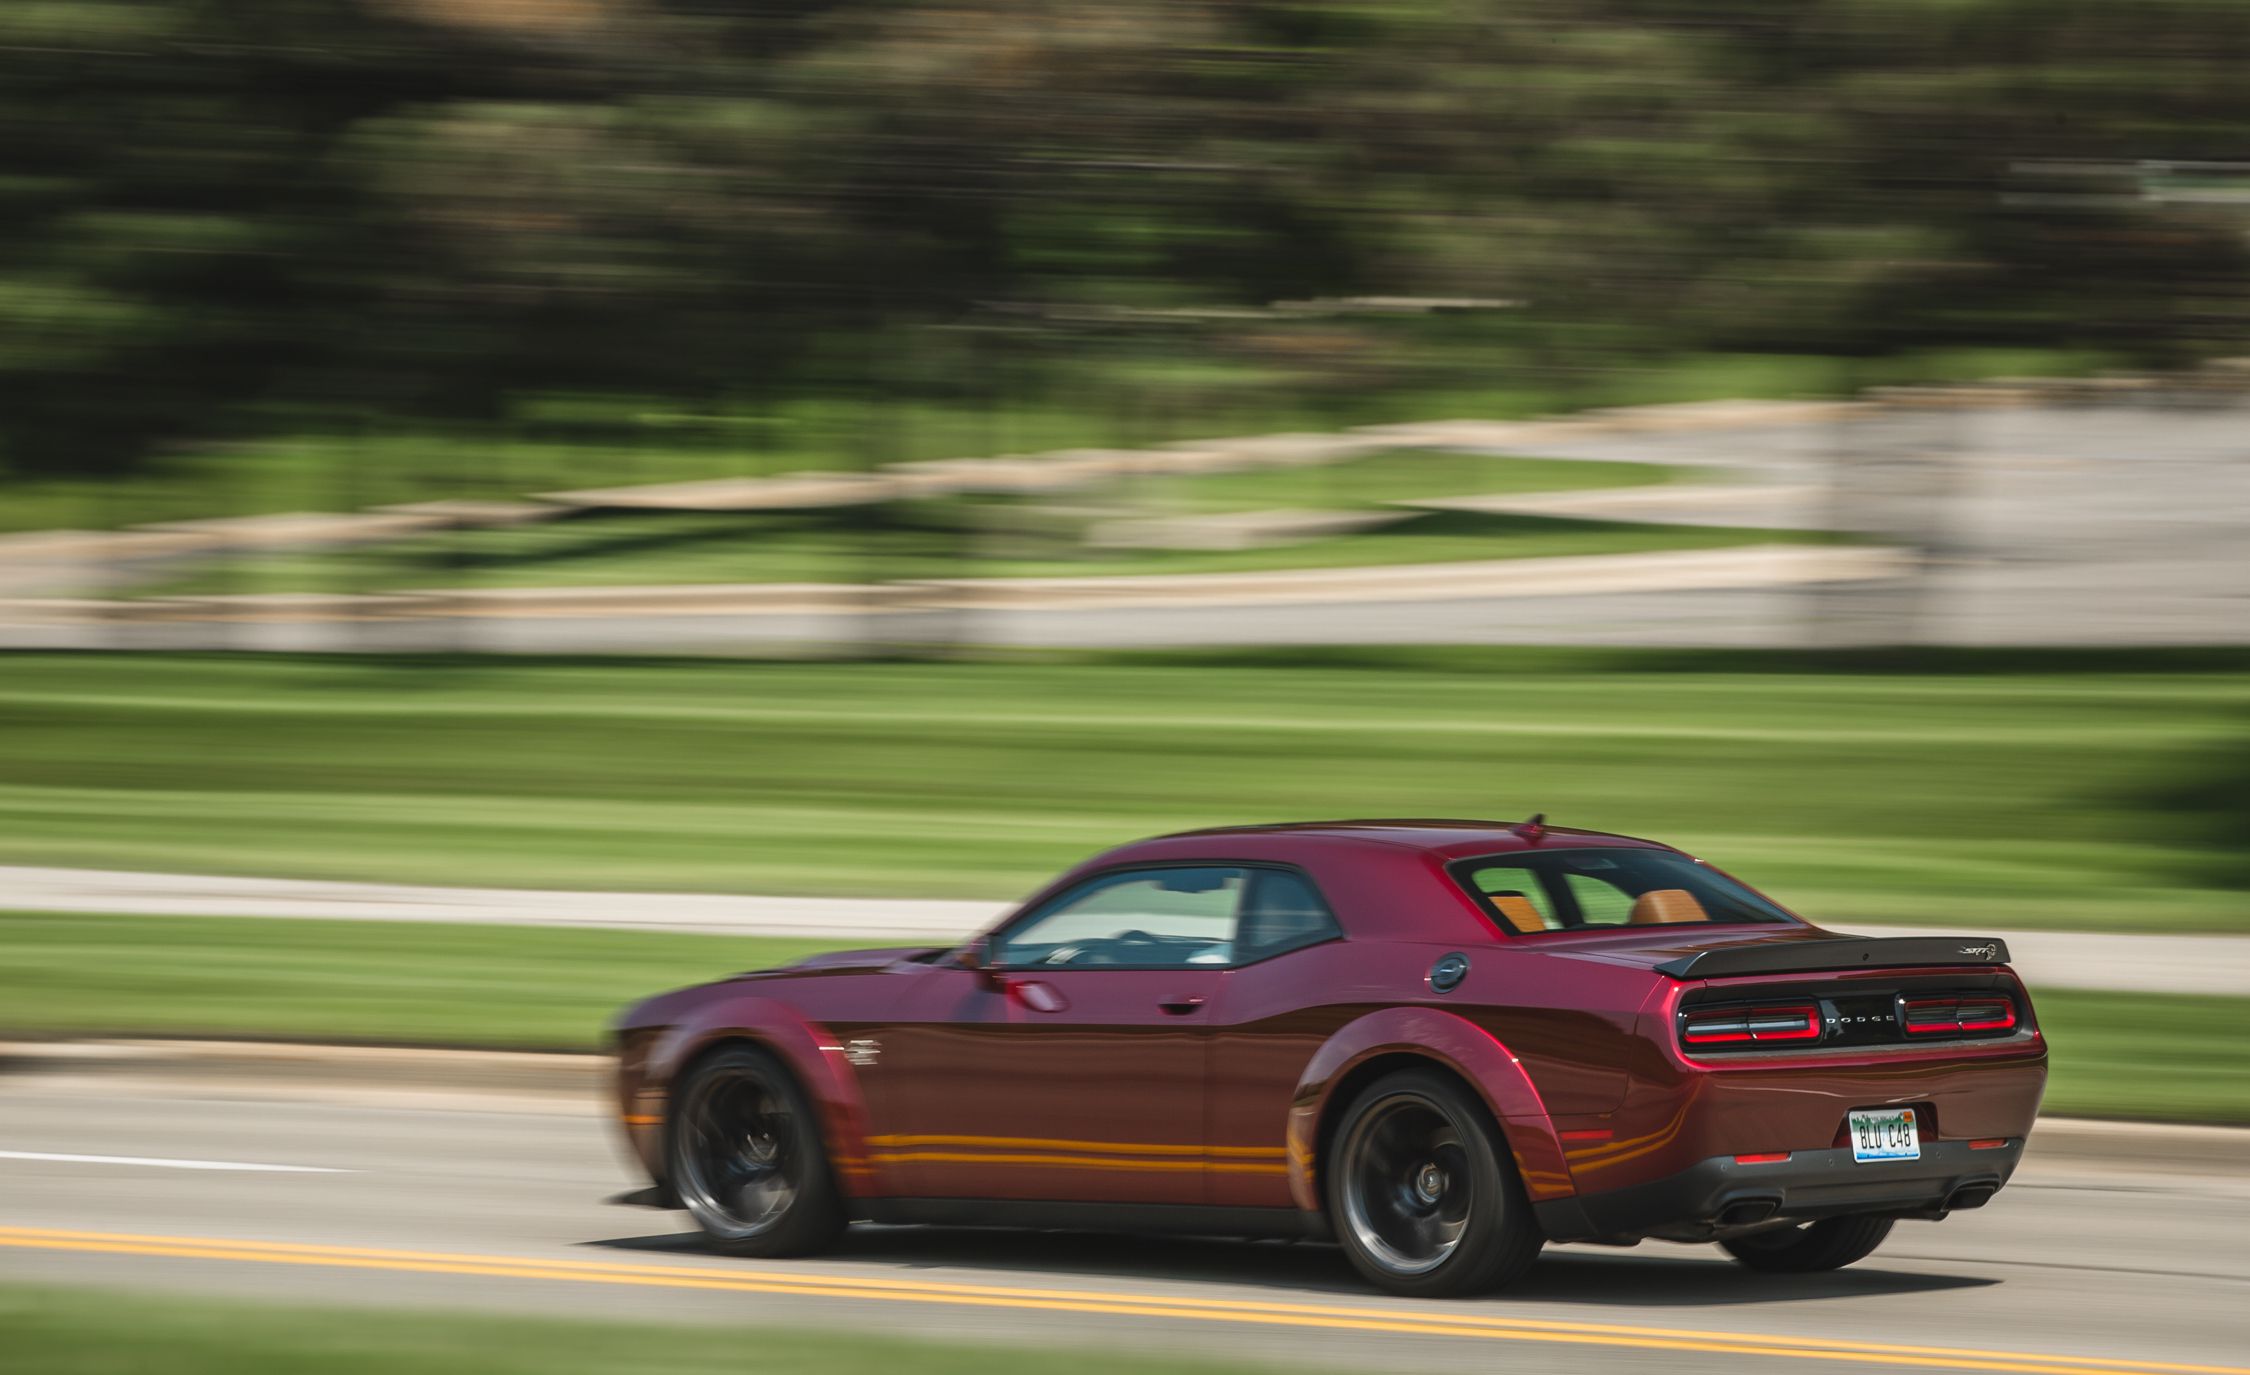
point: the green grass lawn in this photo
(319, 469)
(668, 550)
(954, 538)
(406, 983)
(1396, 475)
(55, 1331)
(2179, 1059)
(2116, 1054)
(1998, 792)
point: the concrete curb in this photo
(505, 1079)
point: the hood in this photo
(849, 961)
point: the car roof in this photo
(1364, 866)
(1444, 837)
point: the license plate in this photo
(1884, 1134)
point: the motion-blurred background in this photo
(884, 451)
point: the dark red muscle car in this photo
(1443, 1043)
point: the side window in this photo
(1283, 912)
(1609, 886)
(1600, 903)
(1138, 919)
(1519, 896)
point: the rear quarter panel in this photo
(1545, 1045)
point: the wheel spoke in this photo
(740, 1163)
(1407, 1186)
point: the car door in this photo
(1073, 1067)
(1295, 983)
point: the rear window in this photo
(1568, 890)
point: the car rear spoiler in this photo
(1842, 952)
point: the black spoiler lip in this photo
(1841, 952)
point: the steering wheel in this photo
(1117, 948)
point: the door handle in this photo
(1181, 1004)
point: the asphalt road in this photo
(444, 1201)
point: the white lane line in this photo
(162, 1163)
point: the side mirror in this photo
(977, 955)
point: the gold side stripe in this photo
(1075, 1162)
(1041, 1143)
(1631, 1148)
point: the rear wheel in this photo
(1830, 1244)
(747, 1160)
(1423, 1193)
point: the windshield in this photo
(1567, 890)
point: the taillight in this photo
(1789, 1022)
(1952, 1016)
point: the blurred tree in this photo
(216, 211)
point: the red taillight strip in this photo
(1800, 1023)
(1947, 1016)
(1762, 1158)
(1796, 1022)
(1990, 1143)
(1936, 1014)
(2005, 1021)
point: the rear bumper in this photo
(1719, 1196)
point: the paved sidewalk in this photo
(26, 889)
(2051, 959)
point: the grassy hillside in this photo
(1993, 793)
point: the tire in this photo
(746, 1159)
(1422, 1191)
(1830, 1244)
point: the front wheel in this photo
(1422, 1191)
(747, 1160)
(1830, 1244)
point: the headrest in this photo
(1666, 907)
(1518, 910)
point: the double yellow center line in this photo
(1425, 1322)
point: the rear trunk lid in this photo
(1826, 992)
(1717, 952)
(1649, 947)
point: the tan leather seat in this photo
(1666, 907)
(1518, 910)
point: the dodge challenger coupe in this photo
(1442, 1043)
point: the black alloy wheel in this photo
(746, 1157)
(1422, 1190)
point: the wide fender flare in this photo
(1447, 1039)
(815, 1056)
